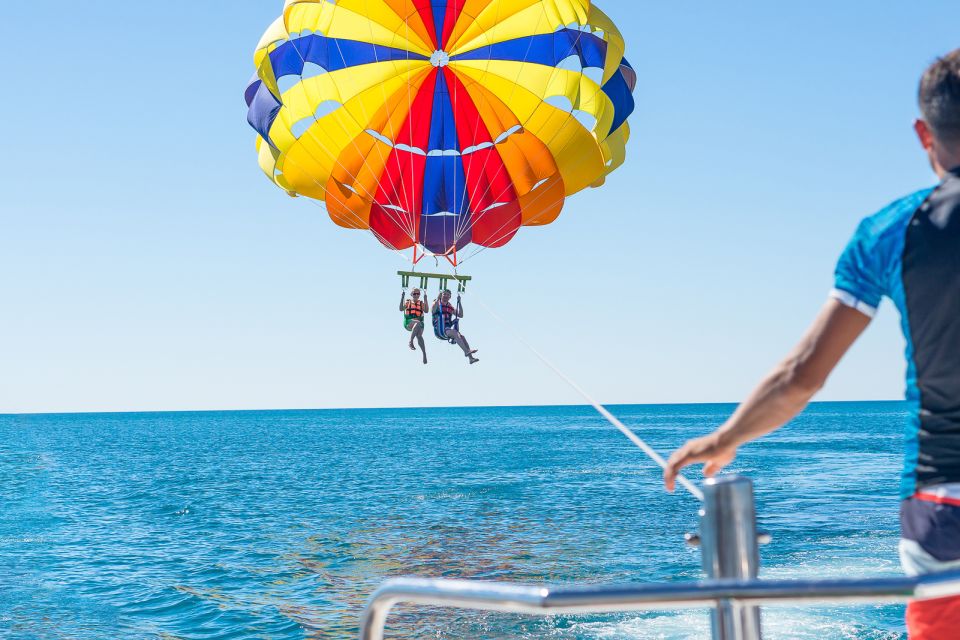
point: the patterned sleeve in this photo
(870, 263)
(859, 281)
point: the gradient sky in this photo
(147, 264)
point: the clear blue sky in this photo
(147, 264)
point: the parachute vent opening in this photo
(477, 147)
(588, 120)
(348, 187)
(571, 63)
(540, 184)
(326, 107)
(409, 149)
(509, 132)
(379, 136)
(560, 102)
(312, 70)
(405, 147)
(594, 73)
(285, 83)
(300, 126)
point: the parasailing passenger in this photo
(413, 313)
(446, 323)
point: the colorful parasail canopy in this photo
(440, 123)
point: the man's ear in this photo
(923, 133)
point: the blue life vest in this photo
(445, 319)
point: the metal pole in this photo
(728, 542)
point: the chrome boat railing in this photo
(728, 540)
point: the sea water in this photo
(280, 524)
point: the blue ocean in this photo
(279, 524)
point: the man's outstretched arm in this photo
(780, 396)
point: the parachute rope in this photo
(609, 417)
(406, 225)
(499, 234)
(465, 227)
(344, 205)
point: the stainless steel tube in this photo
(728, 542)
(547, 600)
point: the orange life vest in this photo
(415, 308)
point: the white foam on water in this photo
(782, 624)
(672, 626)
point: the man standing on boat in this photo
(909, 252)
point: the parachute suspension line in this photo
(357, 218)
(377, 236)
(413, 186)
(634, 438)
(320, 142)
(513, 89)
(497, 238)
(467, 223)
(405, 222)
(502, 167)
(400, 223)
(382, 240)
(405, 225)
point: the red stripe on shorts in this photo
(926, 497)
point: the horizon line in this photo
(403, 408)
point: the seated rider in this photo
(446, 323)
(413, 312)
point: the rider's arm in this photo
(459, 309)
(433, 308)
(781, 395)
(403, 307)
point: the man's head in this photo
(939, 97)
(445, 296)
(415, 293)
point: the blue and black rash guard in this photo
(910, 252)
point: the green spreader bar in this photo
(426, 277)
